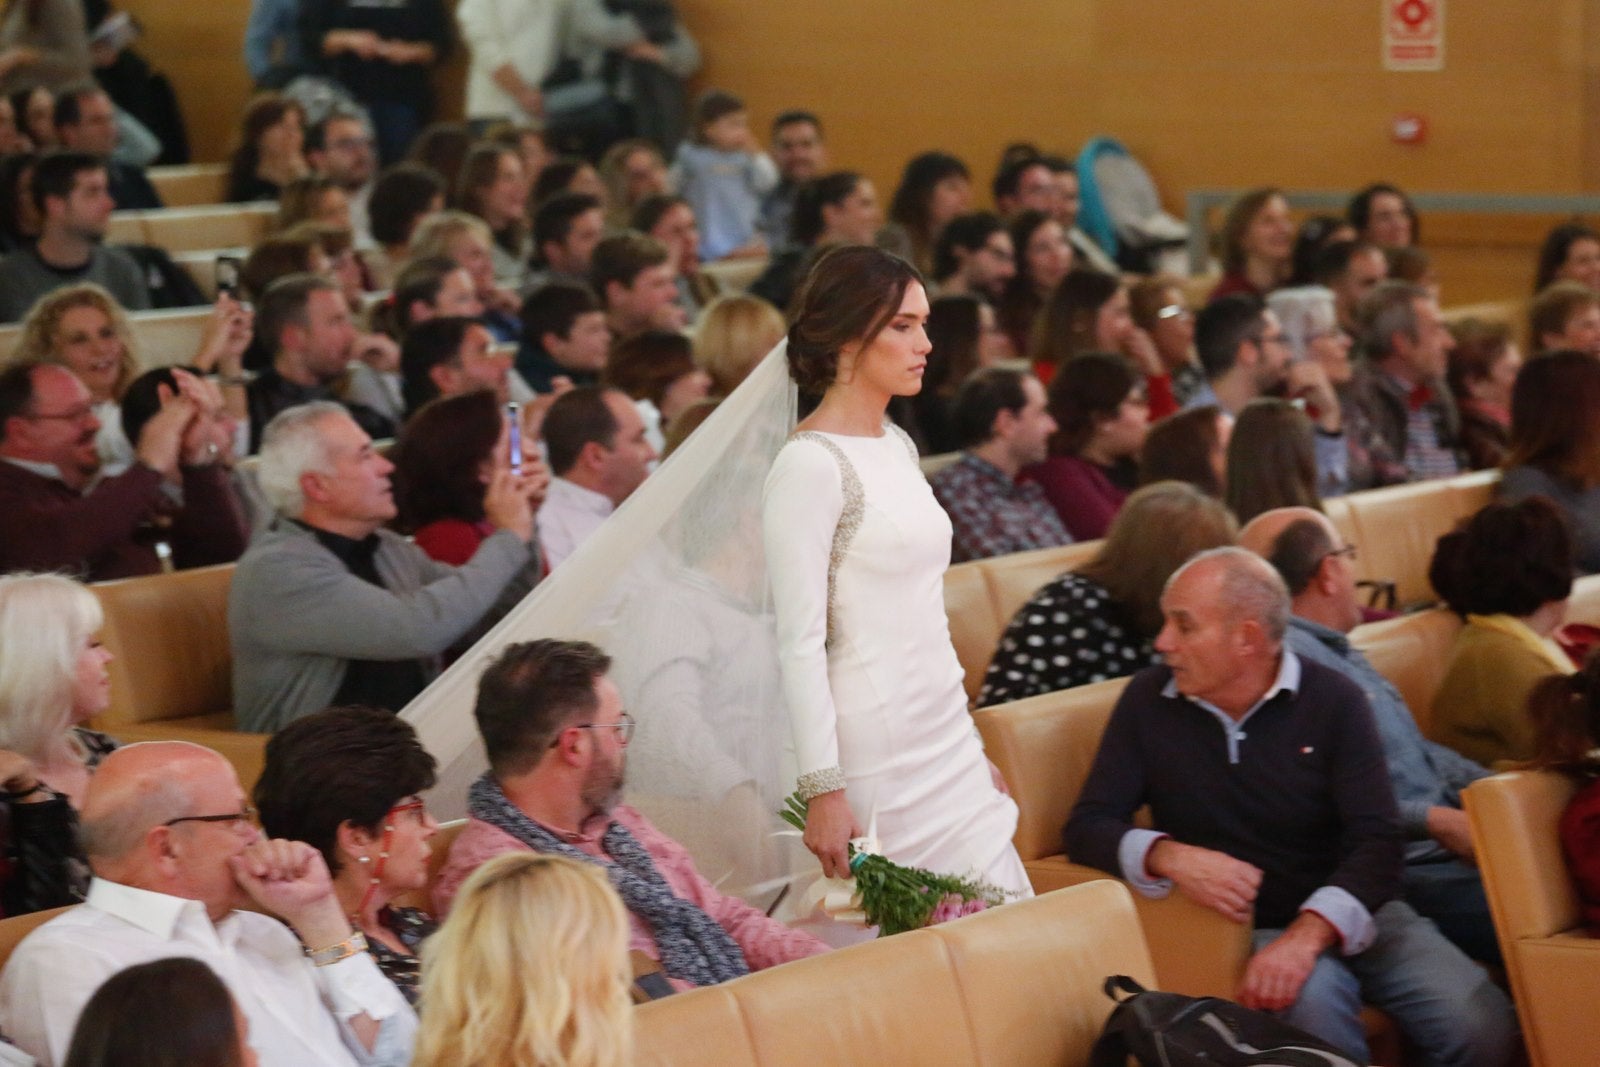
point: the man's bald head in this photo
(140, 787)
(1294, 540)
(1243, 583)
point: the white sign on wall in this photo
(1413, 34)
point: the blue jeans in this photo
(1441, 1000)
(1451, 894)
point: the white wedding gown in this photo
(857, 548)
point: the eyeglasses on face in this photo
(246, 817)
(415, 806)
(623, 726)
(1348, 552)
(81, 413)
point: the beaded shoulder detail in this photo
(905, 439)
(849, 517)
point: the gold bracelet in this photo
(353, 945)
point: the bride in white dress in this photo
(857, 548)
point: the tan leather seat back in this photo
(1396, 530)
(1413, 652)
(186, 229)
(700, 1027)
(1470, 492)
(1514, 825)
(1338, 511)
(190, 184)
(1033, 980)
(974, 630)
(1044, 747)
(1015, 578)
(169, 634)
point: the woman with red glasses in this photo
(348, 781)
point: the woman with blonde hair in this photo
(53, 678)
(530, 970)
(467, 239)
(1101, 620)
(83, 328)
(735, 332)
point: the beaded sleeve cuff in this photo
(816, 783)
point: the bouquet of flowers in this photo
(896, 898)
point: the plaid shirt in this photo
(991, 514)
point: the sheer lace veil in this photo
(674, 587)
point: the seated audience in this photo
(1352, 269)
(1565, 316)
(1088, 312)
(974, 257)
(82, 328)
(632, 276)
(69, 193)
(657, 371)
(1272, 462)
(1309, 317)
(1000, 420)
(1099, 405)
(1571, 253)
(556, 735)
(36, 108)
(1043, 259)
(1191, 446)
(724, 175)
(312, 198)
(445, 458)
(1565, 710)
(733, 335)
(1065, 211)
(1097, 622)
(1025, 183)
(1413, 428)
(53, 680)
(566, 229)
(304, 321)
(340, 148)
(269, 153)
(177, 862)
(494, 188)
(1439, 879)
(965, 338)
(1483, 371)
(1316, 233)
(173, 506)
(840, 208)
(448, 356)
(1408, 263)
(633, 171)
(554, 991)
(934, 188)
(348, 781)
(402, 197)
(1318, 879)
(670, 220)
(19, 217)
(168, 1011)
(801, 155)
(1384, 216)
(466, 239)
(1507, 571)
(327, 606)
(442, 147)
(564, 335)
(599, 455)
(1257, 244)
(426, 288)
(86, 121)
(568, 174)
(1158, 308)
(1555, 445)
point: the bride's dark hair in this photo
(851, 294)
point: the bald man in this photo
(175, 855)
(1267, 789)
(1439, 878)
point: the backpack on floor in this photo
(1171, 1030)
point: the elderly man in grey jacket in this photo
(327, 606)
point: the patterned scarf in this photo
(693, 947)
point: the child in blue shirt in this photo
(724, 175)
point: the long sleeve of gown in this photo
(801, 507)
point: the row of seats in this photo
(190, 184)
(190, 229)
(162, 338)
(1395, 529)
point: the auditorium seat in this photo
(1413, 652)
(735, 275)
(188, 229)
(1396, 530)
(1013, 578)
(1019, 986)
(163, 337)
(933, 464)
(171, 678)
(1553, 964)
(191, 184)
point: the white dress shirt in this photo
(569, 514)
(298, 1013)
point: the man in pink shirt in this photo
(556, 735)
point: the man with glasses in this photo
(181, 870)
(340, 147)
(174, 505)
(974, 257)
(1439, 878)
(556, 735)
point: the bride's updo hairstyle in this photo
(851, 294)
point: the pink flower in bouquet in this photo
(951, 907)
(973, 906)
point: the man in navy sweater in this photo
(1272, 805)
